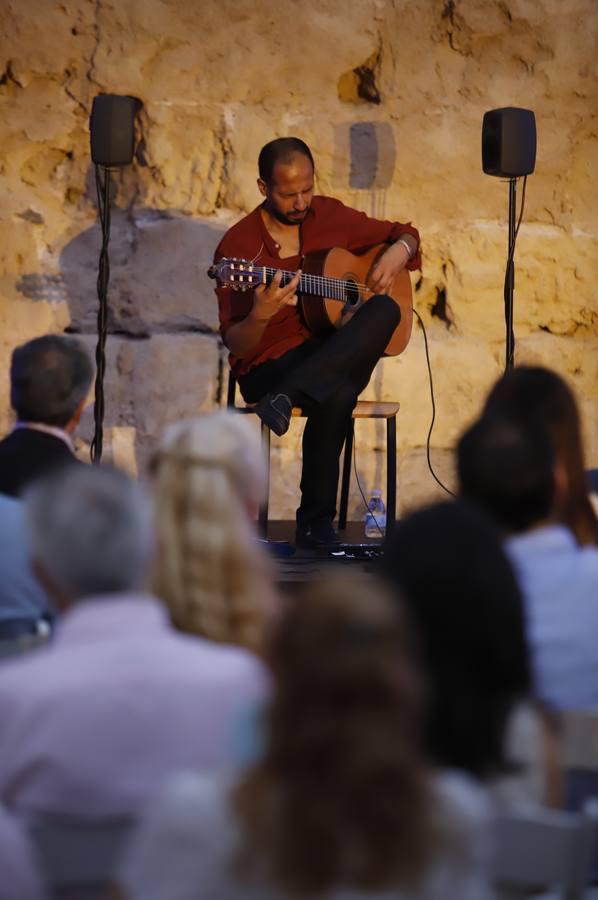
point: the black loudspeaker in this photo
(112, 127)
(509, 142)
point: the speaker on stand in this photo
(112, 133)
(509, 151)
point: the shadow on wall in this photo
(365, 156)
(163, 350)
(158, 280)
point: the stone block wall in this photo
(390, 94)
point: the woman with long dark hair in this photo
(529, 394)
(449, 568)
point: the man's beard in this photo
(288, 220)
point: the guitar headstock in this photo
(238, 274)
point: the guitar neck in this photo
(319, 285)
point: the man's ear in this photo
(262, 187)
(76, 417)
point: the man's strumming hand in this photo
(388, 267)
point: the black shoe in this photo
(317, 535)
(275, 411)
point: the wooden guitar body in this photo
(348, 273)
(332, 287)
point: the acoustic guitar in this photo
(332, 287)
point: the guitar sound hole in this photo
(351, 294)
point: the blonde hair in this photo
(210, 476)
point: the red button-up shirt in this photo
(328, 223)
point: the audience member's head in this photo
(448, 563)
(508, 468)
(209, 479)
(50, 377)
(531, 395)
(341, 794)
(90, 532)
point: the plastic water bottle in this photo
(375, 518)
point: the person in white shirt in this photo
(511, 469)
(94, 723)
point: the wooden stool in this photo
(364, 409)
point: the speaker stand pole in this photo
(103, 191)
(510, 278)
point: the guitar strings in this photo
(330, 286)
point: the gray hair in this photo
(90, 529)
(49, 377)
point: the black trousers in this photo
(325, 376)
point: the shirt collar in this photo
(56, 432)
(111, 616)
(268, 241)
(547, 540)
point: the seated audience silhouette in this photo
(532, 394)
(511, 470)
(342, 803)
(94, 722)
(24, 605)
(49, 380)
(448, 563)
(209, 478)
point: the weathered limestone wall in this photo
(390, 95)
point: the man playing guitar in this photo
(278, 362)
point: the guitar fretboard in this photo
(320, 285)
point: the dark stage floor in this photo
(297, 565)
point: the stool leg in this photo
(391, 473)
(263, 513)
(346, 478)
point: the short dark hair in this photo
(49, 377)
(448, 564)
(508, 469)
(280, 150)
